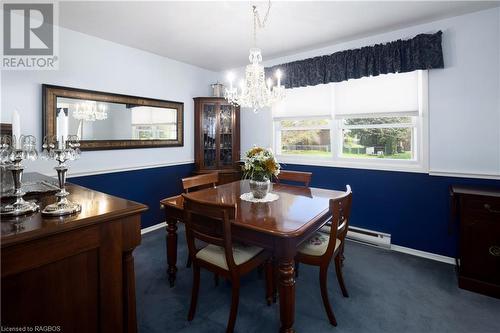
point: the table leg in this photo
(171, 249)
(287, 294)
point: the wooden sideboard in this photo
(478, 213)
(73, 273)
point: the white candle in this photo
(278, 76)
(230, 78)
(16, 128)
(79, 131)
(62, 127)
(269, 83)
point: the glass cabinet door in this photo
(226, 115)
(208, 136)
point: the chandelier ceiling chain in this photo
(255, 91)
(257, 23)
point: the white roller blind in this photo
(162, 116)
(152, 115)
(141, 115)
(305, 102)
(383, 94)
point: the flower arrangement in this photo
(260, 164)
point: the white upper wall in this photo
(91, 63)
(464, 102)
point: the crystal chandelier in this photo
(255, 91)
(90, 111)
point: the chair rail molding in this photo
(113, 170)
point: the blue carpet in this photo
(389, 292)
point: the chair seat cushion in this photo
(216, 256)
(317, 244)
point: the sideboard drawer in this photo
(484, 206)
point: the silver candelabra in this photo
(61, 151)
(12, 152)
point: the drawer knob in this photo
(495, 250)
(491, 210)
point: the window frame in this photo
(420, 137)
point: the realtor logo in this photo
(29, 36)
(27, 29)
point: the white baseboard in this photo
(397, 248)
(153, 228)
(423, 254)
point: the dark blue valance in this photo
(421, 52)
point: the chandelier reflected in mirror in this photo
(255, 91)
(90, 111)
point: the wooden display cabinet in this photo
(217, 138)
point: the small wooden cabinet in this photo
(217, 138)
(478, 213)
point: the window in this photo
(154, 123)
(374, 122)
(378, 137)
(303, 122)
(304, 137)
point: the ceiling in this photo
(216, 35)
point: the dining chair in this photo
(199, 182)
(294, 177)
(322, 247)
(211, 223)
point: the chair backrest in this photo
(295, 176)
(340, 208)
(210, 223)
(200, 181)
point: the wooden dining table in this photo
(279, 226)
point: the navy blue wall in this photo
(147, 186)
(413, 207)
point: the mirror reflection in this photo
(95, 120)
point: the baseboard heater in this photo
(370, 237)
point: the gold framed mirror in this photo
(105, 121)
